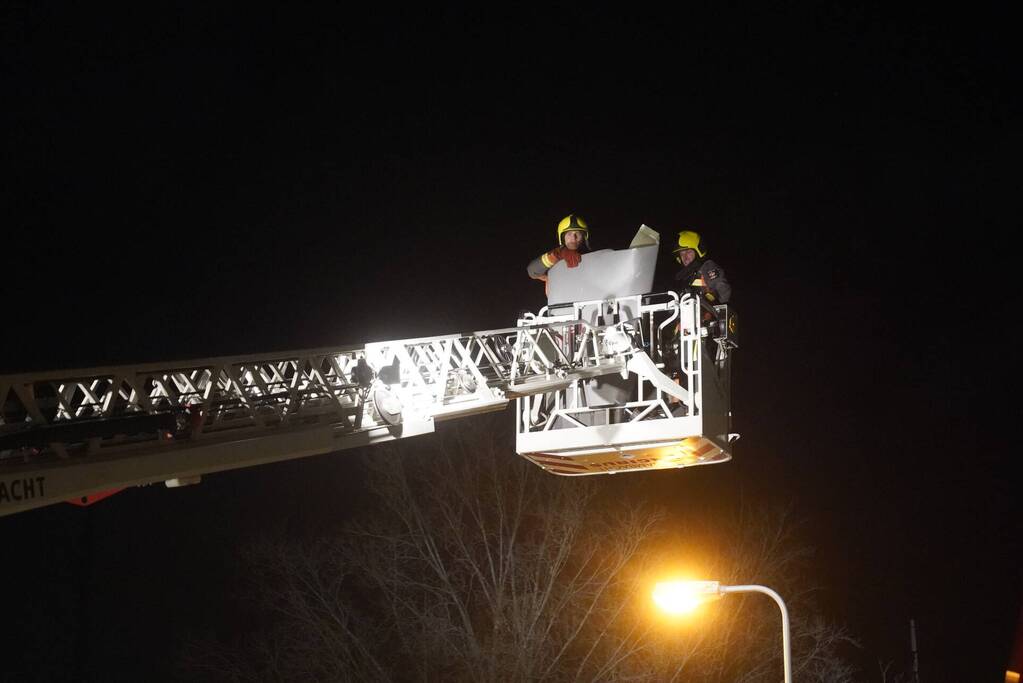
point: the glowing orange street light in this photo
(681, 597)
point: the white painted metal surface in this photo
(611, 381)
(653, 422)
(587, 377)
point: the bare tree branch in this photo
(475, 565)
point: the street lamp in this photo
(677, 597)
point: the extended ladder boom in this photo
(71, 434)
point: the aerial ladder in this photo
(624, 381)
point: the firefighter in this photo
(702, 276)
(573, 238)
(698, 272)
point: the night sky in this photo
(190, 183)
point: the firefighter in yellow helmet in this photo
(573, 239)
(698, 272)
(700, 275)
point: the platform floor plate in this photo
(688, 452)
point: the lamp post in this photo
(682, 596)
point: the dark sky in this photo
(217, 181)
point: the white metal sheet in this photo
(604, 274)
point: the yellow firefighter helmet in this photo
(687, 239)
(572, 222)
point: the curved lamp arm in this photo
(786, 642)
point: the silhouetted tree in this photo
(478, 566)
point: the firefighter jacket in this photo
(707, 277)
(539, 266)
